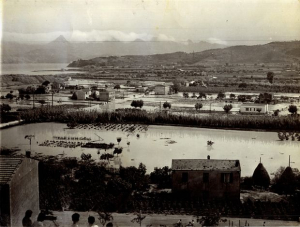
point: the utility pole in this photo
(289, 161)
(33, 100)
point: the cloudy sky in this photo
(221, 21)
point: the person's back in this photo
(91, 221)
(39, 221)
(26, 221)
(75, 219)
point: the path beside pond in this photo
(64, 219)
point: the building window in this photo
(253, 109)
(247, 109)
(185, 177)
(227, 177)
(205, 177)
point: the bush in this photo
(167, 105)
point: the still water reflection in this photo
(160, 144)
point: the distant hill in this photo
(62, 51)
(275, 52)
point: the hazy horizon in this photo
(231, 22)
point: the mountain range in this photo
(62, 51)
(275, 52)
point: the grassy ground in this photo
(64, 219)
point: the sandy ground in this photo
(64, 219)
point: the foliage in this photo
(61, 114)
(232, 96)
(5, 108)
(198, 106)
(86, 157)
(185, 94)
(293, 109)
(42, 102)
(227, 108)
(162, 177)
(212, 219)
(117, 86)
(104, 217)
(46, 83)
(118, 150)
(9, 96)
(242, 85)
(167, 105)
(27, 96)
(40, 90)
(276, 112)
(221, 95)
(72, 124)
(201, 95)
(270, 77)
(138, 219)
(135, 176)
(137, 103)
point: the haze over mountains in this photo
(62, 51)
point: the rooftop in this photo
(8, 165)
(206, 164)
(253, 104)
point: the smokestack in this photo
(208, 157)
(28, 153)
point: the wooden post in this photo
(289, 160)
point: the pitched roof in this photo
(8, 165)
(206, 164)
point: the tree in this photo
(232, 96)
(198, 106)
(30, 90)
(5, 108)
(86, 157)
(212, 219)
(137, 103)
(227, 108)
(270, 77)
(27, 97)
(9, 96)
(259, 110)
(185, 94)
(117, 86)
(46, 83)
(202, 95)
(42, 102)
(293, 109)
(162, 177)
(242, 85)
(221, 95)
(167, 105)
(276, 112)
(40, 90)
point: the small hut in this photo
(260, 176)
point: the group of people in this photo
(27, 222)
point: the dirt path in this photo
(64, 219)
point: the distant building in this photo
(104, 95)
(141, 89)
(254, 108)
(19, 189)
(161, 89)
(207, 178)
(83, 93)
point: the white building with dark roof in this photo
(207, 178)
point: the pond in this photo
(157, 146)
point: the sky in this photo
(230, 22)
